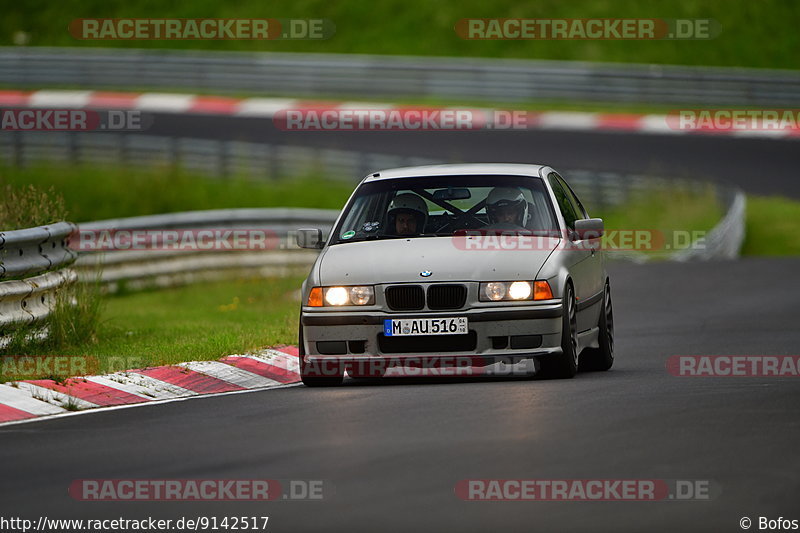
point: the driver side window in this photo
(576, 204)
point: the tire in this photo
(565, 364)
(306, 374)
(602, 358)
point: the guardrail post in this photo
(73, 149)
(222, 158)
(122, 148)
(174, 153)
(18, 145)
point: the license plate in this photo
(399, 327)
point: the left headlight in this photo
(497, 291)
(341, 296)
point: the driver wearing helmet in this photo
(507, 208)
(407, 215)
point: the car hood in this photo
(447, 258)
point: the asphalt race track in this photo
(757, 165)
(392, 453)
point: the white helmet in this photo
(408, 202)
(502, 197)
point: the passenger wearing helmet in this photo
(407, 215)
(507, 208)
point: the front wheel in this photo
(602, 358)
(565, 364)
(319, 374)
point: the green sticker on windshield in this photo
(348, 234)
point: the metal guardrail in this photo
(369, 76)
(725, 240)
(31, 299)
(137, 269)
(223, 159)
(33, 250)
(200, 156)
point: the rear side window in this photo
(563, 201)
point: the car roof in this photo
(488, 169)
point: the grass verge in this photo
(96, 193)
(191, 323)
(772, 226)
(24, 205)
(667, 217)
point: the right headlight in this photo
(498, 291)
(340, 296)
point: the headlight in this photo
(337, 296)
(361, 295)
(520, 290)
(340, 296)
(496, 291)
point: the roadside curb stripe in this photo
(269, 107)
(114, 100)
(267, 369)
(89, 391)
(8, 414)
(215, 105)
(124, 384)
(291, 350)
(47, 395)
(280, 359)
(21, 399)
(14, 98)
(232, 374)
(60, 99)
(142, 385)
(272, 372)
(189, 379)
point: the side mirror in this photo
(589, 228)
(310, 238)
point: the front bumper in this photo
(505, 333)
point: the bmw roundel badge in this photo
(425, 273)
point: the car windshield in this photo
(442, 206)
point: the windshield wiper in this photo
(372, 238)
